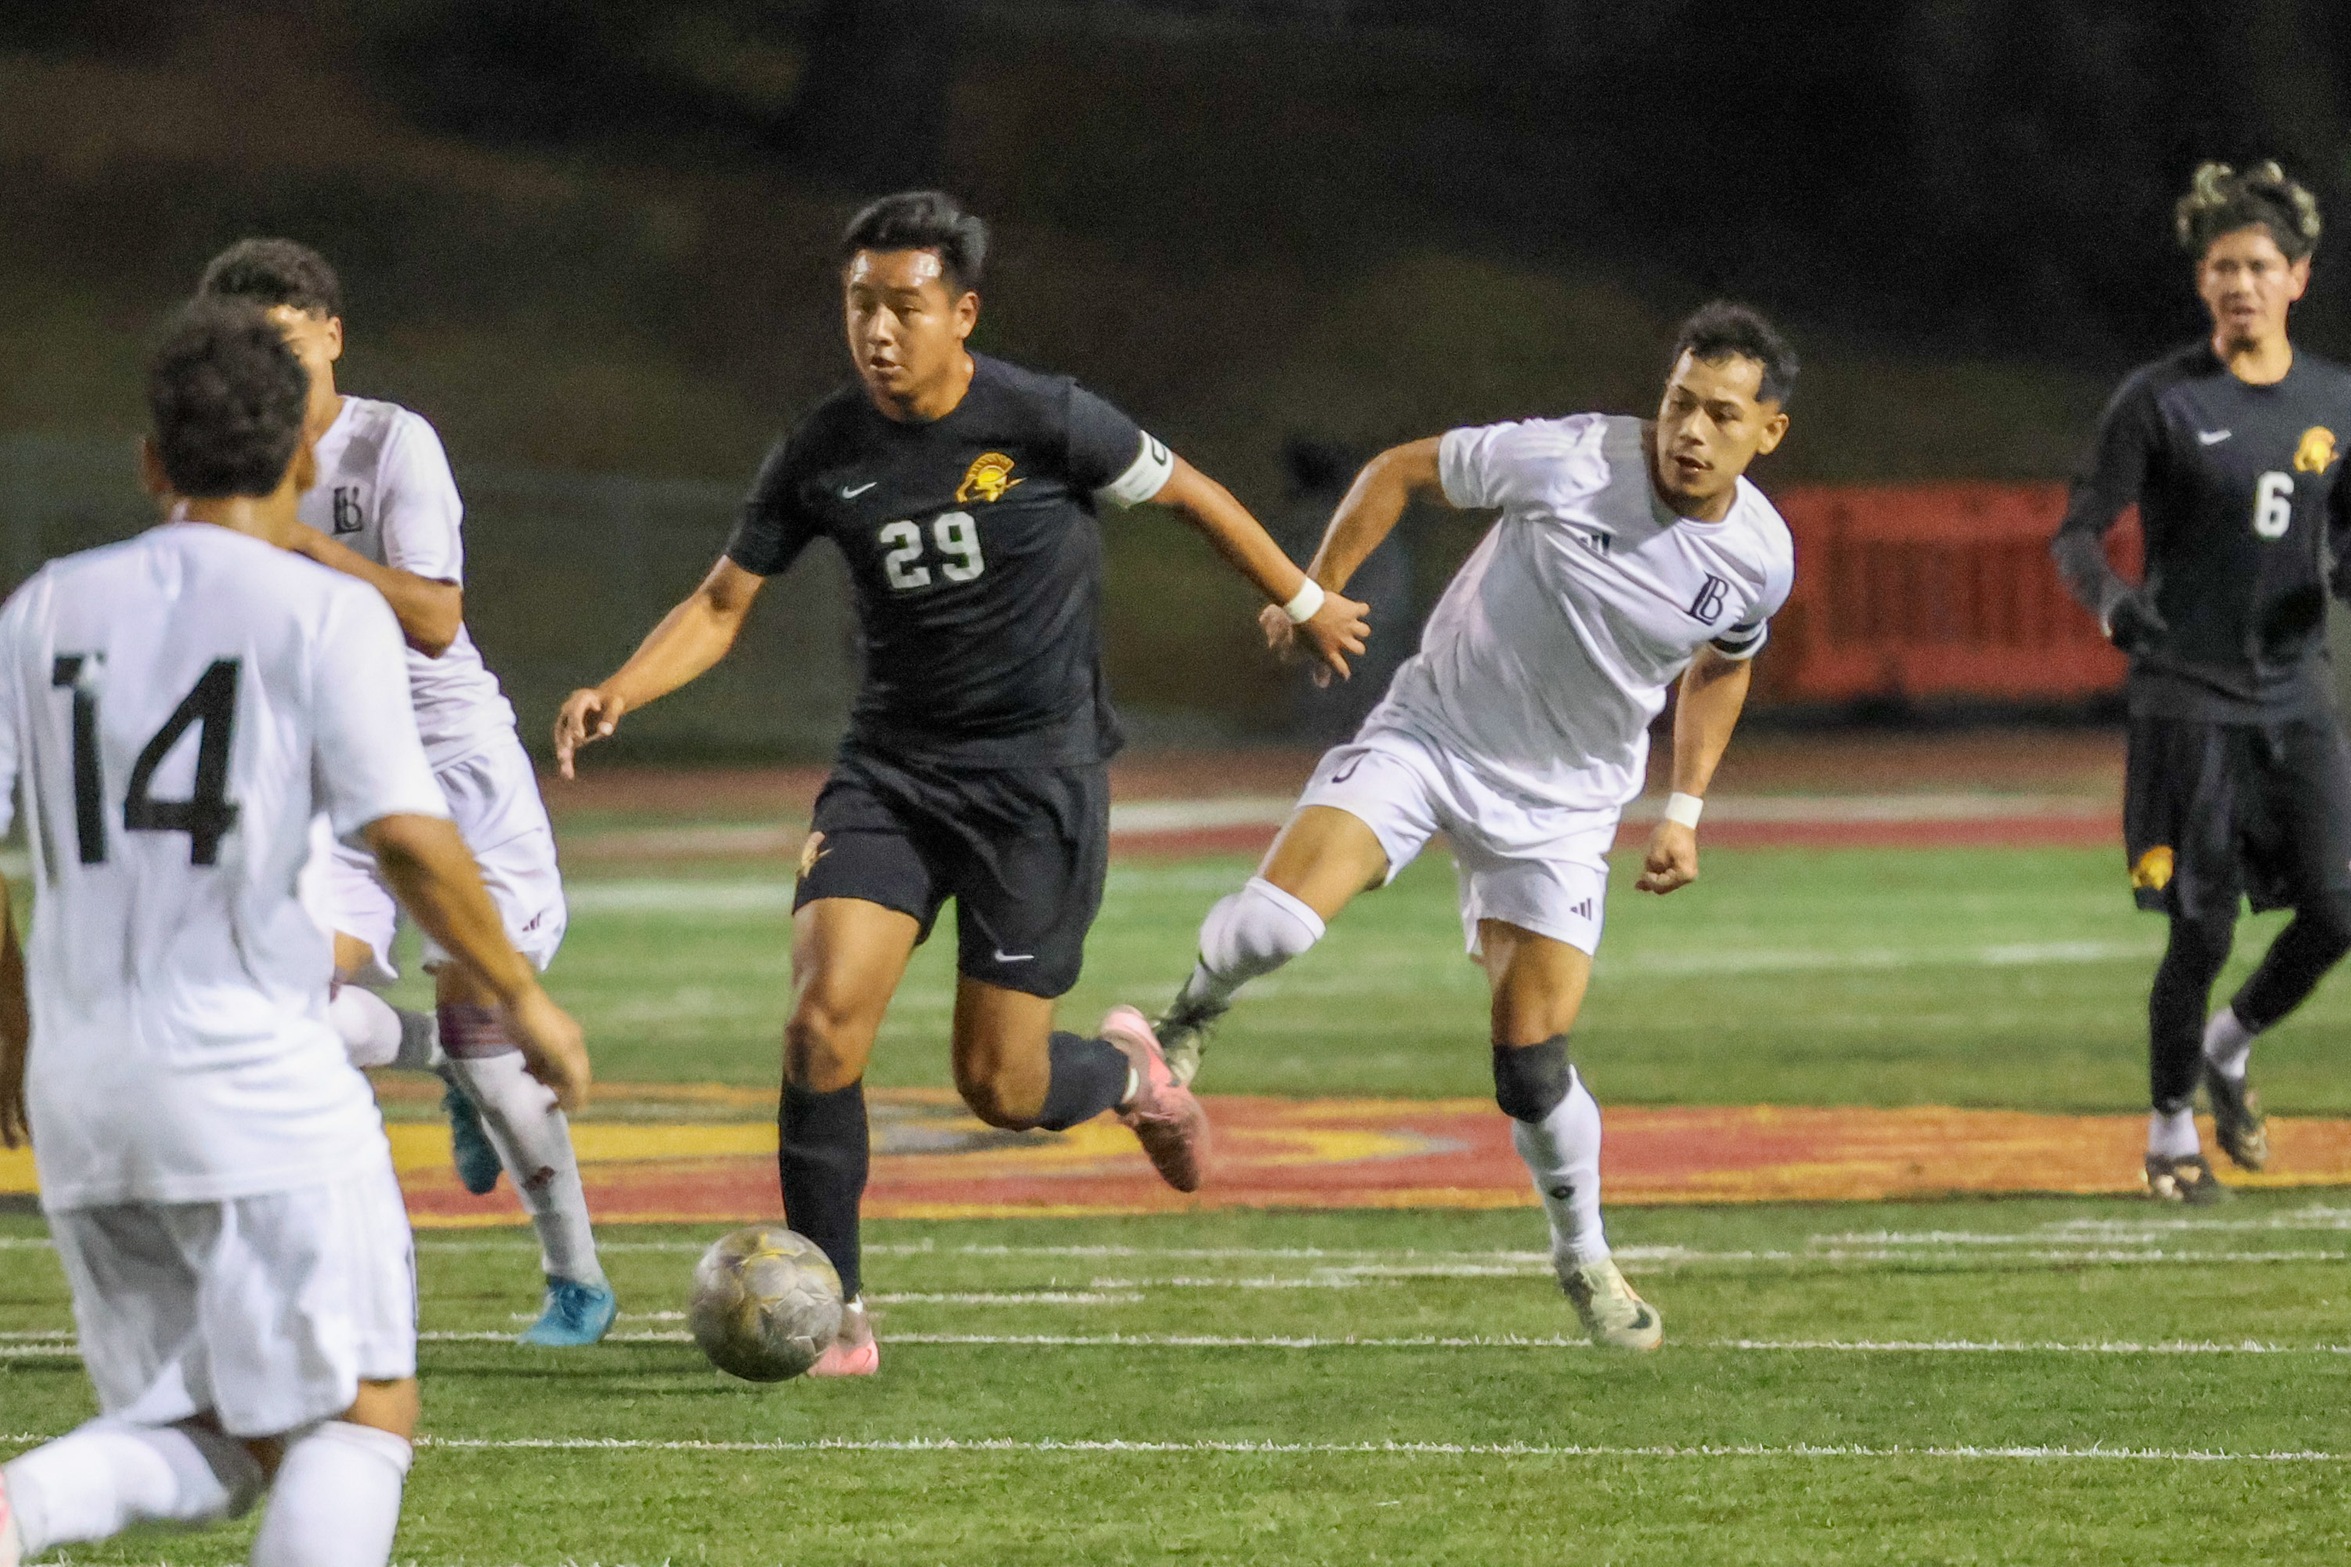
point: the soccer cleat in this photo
(1163, 1115)
(854, 1352)
(575, 1315)
(1613, 1315)
(2186, 1180)
(1183, 1032)
(478, 1164)
(11, 1537)
(2237, 1122)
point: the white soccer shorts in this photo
(1542, 868)
(268, 1311)
(494, 797)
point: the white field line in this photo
(984, 1446)
(63, 1346)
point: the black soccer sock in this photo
(822, 1156)
(2176, 1007)
(2314, 943)
(1089, 1077)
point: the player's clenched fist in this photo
(553, 1048)
(1672, 860)
(588, 715)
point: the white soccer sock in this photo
(336, 1500)
(1248, 934)
(533, 1140)
(2172, 1136)
(369, 1026)
(2228, 1044)
(1562, 1152)
(96, 1481)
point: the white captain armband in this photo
(1145, 477)
(1684, 809)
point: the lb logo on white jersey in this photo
(349, 516)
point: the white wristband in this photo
(1685, 809)
(1307, 604)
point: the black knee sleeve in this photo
(1529, 1081)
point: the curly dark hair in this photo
(2222, 200)
(923, 220)
(1728, 330)
(227, 396)
(272, 272)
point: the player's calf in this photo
(111, 1475)
(533, 1140)
(1247, 935)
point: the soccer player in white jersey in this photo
(177, 710)
(385, 510)
(1629, 553)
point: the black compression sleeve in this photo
(2109, 481)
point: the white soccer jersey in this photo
(177, 709)
(1551, 651)
(384, 490)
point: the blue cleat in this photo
(576, 1315)
(478, 1164)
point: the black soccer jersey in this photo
(975, 557)
(2239, 493)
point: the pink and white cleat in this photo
(11, 1538)
(854, 1352)
(1164, 1115)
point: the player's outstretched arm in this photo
(430, 612)
(436, 881)
(1714, 689)
(1373, 505)
(16, 1032)
(689, 640)
(1336, 626)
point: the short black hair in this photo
(2222, 200)
(1726, 329)
(227, 397)
(928, 220)
(273, 272)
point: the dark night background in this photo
(595, 238)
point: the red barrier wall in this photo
(1944, 590)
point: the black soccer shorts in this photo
(2213, 812)
(1022, 851)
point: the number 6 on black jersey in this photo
(206, 815)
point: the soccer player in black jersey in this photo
(963, 492)
(2239, 783)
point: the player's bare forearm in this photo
(1231, 531)
(1373, 505)
(689, 640)
(1714, 691)
(431, 612)
(1335, 630)
(16, 1032)
(434, 876)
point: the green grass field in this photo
(1984, 1381)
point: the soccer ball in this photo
(765, 1303)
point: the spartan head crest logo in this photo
(2316, 453)
(988, 477)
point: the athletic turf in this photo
(2089, 1381)
(1993, 977)
(1963, 1382)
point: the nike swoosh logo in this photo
(850, 495)
(2213, 437)
(1346, 772)
(1003, 956)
